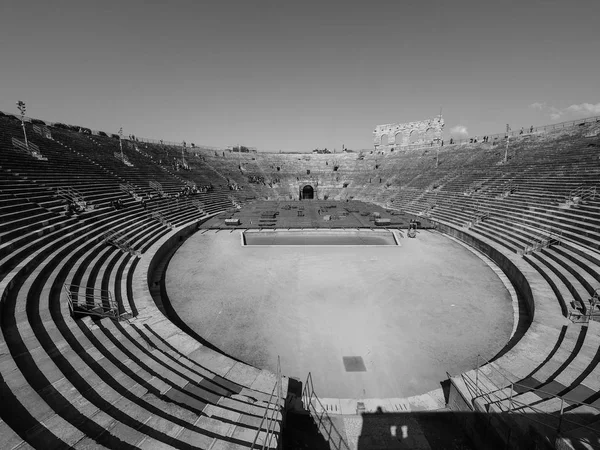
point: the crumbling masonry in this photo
(392, 136)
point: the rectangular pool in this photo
(319, 237)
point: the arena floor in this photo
(368, 322)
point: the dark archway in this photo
(308, 193)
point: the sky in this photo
(298, 75)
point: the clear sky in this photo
(296, 75)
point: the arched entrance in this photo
(307, 192)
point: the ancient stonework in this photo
(395, 135)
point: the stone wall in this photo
(395, 135)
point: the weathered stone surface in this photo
(395, 135)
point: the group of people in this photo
(189, 190)
(117, 204)
(71, 208)
(202, 189)
(486, 139)
(257, 179)
(523, 130)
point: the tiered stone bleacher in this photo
(115, 384)
(141, 381)
(524, 213)
(537, 214)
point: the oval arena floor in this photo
(367, 321)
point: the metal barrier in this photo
(587, 313)
(29, 148)
(269, 418)
(581, 193)
(119, 240)
(554, 237)
(70, 193)
(199, 206)
(511, 405)
(123, 159)
(93, 302)
(127, 188)
(310, 400)
(42, 131)
(158, 216)
(155, 185)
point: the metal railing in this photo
(123, 159)
(29, 148)
(198, 205)
(269, 418)
(553, 237)
(42, 131)
(71, 194)
(119, 240)
(581, 193)
(511, 405)
(93, 302)
(234, 201)
(588, 313)
(158, 216)
(127, 188)
(310, 400)
(155, 185)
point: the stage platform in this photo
(312, 214)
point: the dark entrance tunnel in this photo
(308, 193)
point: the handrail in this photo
(271, 422)
(29, 147)
(547, 395)
(106, 306)
(42, 131)
(308, 393)
(521, 405)
(553, 236)
(118, 239)
(155, 185)
(157, 215)
(73, 195)
(123, 158)
(583, 192)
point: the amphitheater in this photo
(189, 321)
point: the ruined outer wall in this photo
(402, 134)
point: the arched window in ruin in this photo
(384, 139)
(415, 136)
(398, 139)
(429, 134)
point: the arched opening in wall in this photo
(308, 192)
(384, 139)
(429, 135)
(398, 140)
(415, 136)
